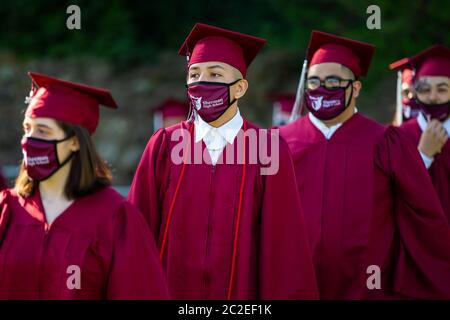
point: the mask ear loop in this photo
(60, 164)
(55, 144)
(177, 189)
(351, 94)
(238, 219)
(229, 93)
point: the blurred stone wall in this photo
(123, 134)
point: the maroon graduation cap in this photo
(169, 108)
(172, 108)
(70, 102)
(208, 43)
(325, 47)
(434, 61)
(285, 101)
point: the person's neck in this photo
(227, 116)
(344, 116)
(54, 186)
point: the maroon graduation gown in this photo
(368, 201)
(440, 168)
(102, 234)
(272, 258)
(2, 182)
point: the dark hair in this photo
(88, 171)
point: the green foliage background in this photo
(128, 32)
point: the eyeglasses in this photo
(331, 83)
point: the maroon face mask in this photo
(210, 99)
(410, 109)
(406, 102)
(41, 157)
(439, 111)
(325, 103)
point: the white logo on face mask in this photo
(212, 104)
(37, 161)
(197, 102)
(331, 103)
(316, 102)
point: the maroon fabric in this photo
(402, 64)
(101, 233)
(367, 201)
(273, 258)
(437, 66)
(2, 181)
(40, 158)
(325, 47)
(284, 101)
(439, 111)
(325, 103)
(433, 61)
(209, 99)
(407, 76)
(66, 101)
(219, 49)
(440, 168)
(173, 108)
(208, 43)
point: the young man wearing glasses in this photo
(376, 231)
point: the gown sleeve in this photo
(286, 268)
(135, 270)
(4, 213)
(146, 191)
(422, 268)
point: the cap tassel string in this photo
(296, 111)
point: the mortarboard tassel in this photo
(31, 94)
(296, 111)
(191, 114)
(398, 118)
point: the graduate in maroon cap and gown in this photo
(226, 229)
(375, 224)
(282, 108)
(171, 111)
(431, 129)
(64, 232)
(405, 109)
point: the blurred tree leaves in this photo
(135, 31)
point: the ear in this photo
(74, 144)
(240, 89)
(357, 86)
